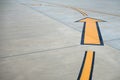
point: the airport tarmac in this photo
(40, 39)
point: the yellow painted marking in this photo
(79, 10)
(91, 35)
(91, 30)
(87, 66)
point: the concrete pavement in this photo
(40, 47)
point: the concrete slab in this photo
(60, 64)
(30, 31)
(35, 46)
(63, 13)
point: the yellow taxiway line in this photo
(87, 66)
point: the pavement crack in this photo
(112, 40)
(39, 51)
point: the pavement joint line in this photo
(112, 40)
(66, 6)
(111, 46)
(51, 17)
(99, 12)
(40, 51)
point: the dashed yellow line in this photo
(79, 10)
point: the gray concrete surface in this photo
(40, 40)
(107, 10)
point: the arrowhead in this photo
(88, 19)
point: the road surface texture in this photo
(40, 40)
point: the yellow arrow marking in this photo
(91, 33)
(87, 66)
